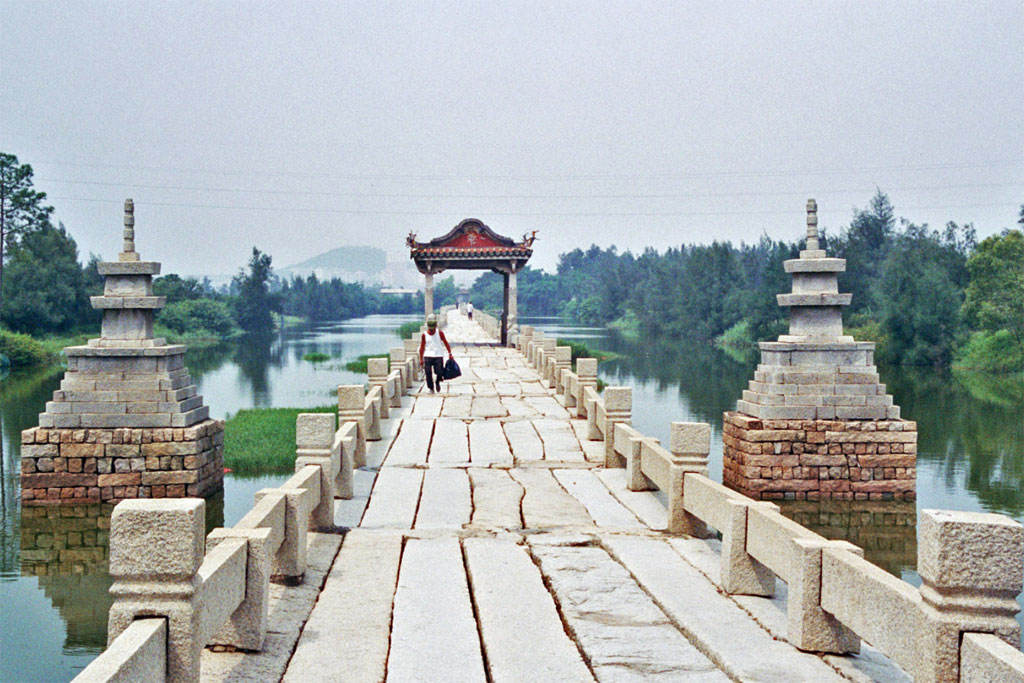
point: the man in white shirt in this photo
(432, 351)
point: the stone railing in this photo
(959, 625)
(177, 590)
(489, 324)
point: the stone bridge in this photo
(515, 527)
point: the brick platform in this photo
(819, 459)
(109, 465)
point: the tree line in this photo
(45, 290)
(929, 297)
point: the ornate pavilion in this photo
(471, 245)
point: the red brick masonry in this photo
(820, 459)
(109, 465)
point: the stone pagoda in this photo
(815, 422)
(127, 421)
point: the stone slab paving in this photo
(518, 615)
(434, 633)
(494, 546)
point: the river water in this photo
(53, 581)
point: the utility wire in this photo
(545, 177)
(536, 214)
(403, 195)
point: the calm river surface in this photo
(53, 581)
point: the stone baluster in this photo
(377, 374)
(397, 356)
(352, 408)
(618, 406)
(971, 573)
(689, 443)
(586, 373)
(546, 359)
(535, 344)
(561, 361)
(156, 548)
(525, 335)
(290, 560)
(314, 445)
(412, 351)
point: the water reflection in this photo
(886, 530)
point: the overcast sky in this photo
(301, 127)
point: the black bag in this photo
(451, 369)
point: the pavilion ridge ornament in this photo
(820, 390)
(136, 425)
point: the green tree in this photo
(44, 290)
(919, 293)
(254, 304)
(995, 295)
(21, 207)
(865, 245)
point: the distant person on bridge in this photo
(432, 351)
(469, 310)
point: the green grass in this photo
(581, 350)
(406, 330)
(262, 440)
(359, 364)
(316, 357)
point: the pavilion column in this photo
(504, 312)
(512, 296)
(428, 294)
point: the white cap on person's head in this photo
(431, 319)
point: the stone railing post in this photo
(156, 548)
(618, 406)
(586, 373)
(352, 408)
(412, 351)
(808, 626)
(546, 356)
(290, 561)
(377, 376)
(562, 361)
(314, 445)
(397, 356)
(689, 443)
(246, 629)
(536, 342)
(741, 573)
(971, 572)
(525, 335)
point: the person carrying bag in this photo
(433, 344)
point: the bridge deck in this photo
(488, 544)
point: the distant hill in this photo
(369, 260)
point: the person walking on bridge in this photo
(432, 351)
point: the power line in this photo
(528, 214)
(403, 195)
(546, 177)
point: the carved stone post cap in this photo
(351, 396)
(689, 438)
(618, 398)
(978, 551)
(397, 355)
(563, 354)
(157, 537)
(314, 430)
(586, 367)
(377, 367)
